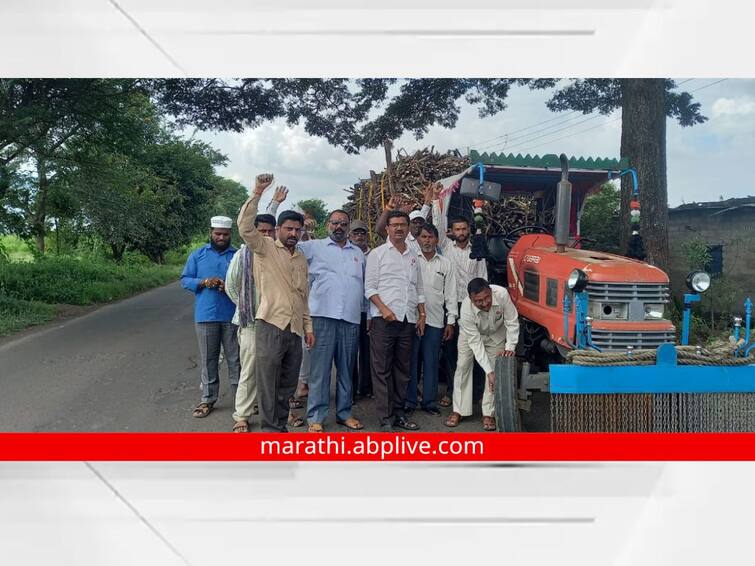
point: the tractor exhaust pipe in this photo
(563, 207)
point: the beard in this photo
(220, 246)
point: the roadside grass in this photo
(16, 314)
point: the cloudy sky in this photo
(704, 162)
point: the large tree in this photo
(645, 105)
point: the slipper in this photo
(445, 401)
(488, 424)
(294, 403)
(241, 426)
(351, 423)
(406, 424)
(315, 427)
(295, 421)
(453, 420)
(202, 410)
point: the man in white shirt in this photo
(393, 284)
(439, 283)
(488, 327)
(417, 218)
(457, 251)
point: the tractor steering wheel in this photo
(511, 237)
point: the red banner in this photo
(373, 447)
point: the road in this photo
(132, 366)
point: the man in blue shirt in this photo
(336, 290)
(204, 275)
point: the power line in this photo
(529, 135)
(570, 135)
(529, 140)
(481, 143)
(709, 84)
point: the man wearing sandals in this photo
(336, 293)
(204, 275)
(241, 290)
(283, 315)
(488, 327)
(393, 284)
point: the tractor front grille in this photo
(619, 340)
(626, 292)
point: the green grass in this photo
(16, 249)
(80, 281)
(16, 314)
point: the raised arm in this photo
(248, 213)
(439, 218)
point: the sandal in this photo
(351, 423)
(295, 421)
(315, 427)
(445, 401)
(294, 403)
(453, 420)
(488, 424)
(241, 426)
(202, 410)
(406, 424)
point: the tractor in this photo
(569, 299)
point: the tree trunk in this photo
(118, 250)
(40, 214)
(643, 141)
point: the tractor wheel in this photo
(506, 406)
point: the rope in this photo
(369, 216)
(717, 355)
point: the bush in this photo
(76, 282)
(16, 314)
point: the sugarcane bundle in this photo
(411, 173)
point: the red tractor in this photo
(627, 297)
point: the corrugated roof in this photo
(548, 161)
(722, 205)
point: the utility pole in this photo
(388, 146)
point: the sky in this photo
(705, 162)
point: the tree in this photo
(316, 208)
(600, 219)
(645, 105)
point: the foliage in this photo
(600, 219)
(316, 208)
(16, 314)
(76, 282)
(696, 253)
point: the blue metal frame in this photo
(583, 333)
(745, 349)
(689, 298)
(663, 377)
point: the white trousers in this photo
(246, 394)
(462, 398)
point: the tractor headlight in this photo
(654, 311)
(577, 281)
(698, 281)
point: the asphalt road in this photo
(132, 366)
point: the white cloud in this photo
(704, 161)
(731, 106)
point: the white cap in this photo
(221, 222)
(415, 214)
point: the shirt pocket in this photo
(438, 281)
(355, 268)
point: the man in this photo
(204, 275)
(417, 218)
(489, 327)
(393, 284)
(439, 284)
(336, 294)
(362, 377)
(457, 250)
(240, 288)
(283, 314)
